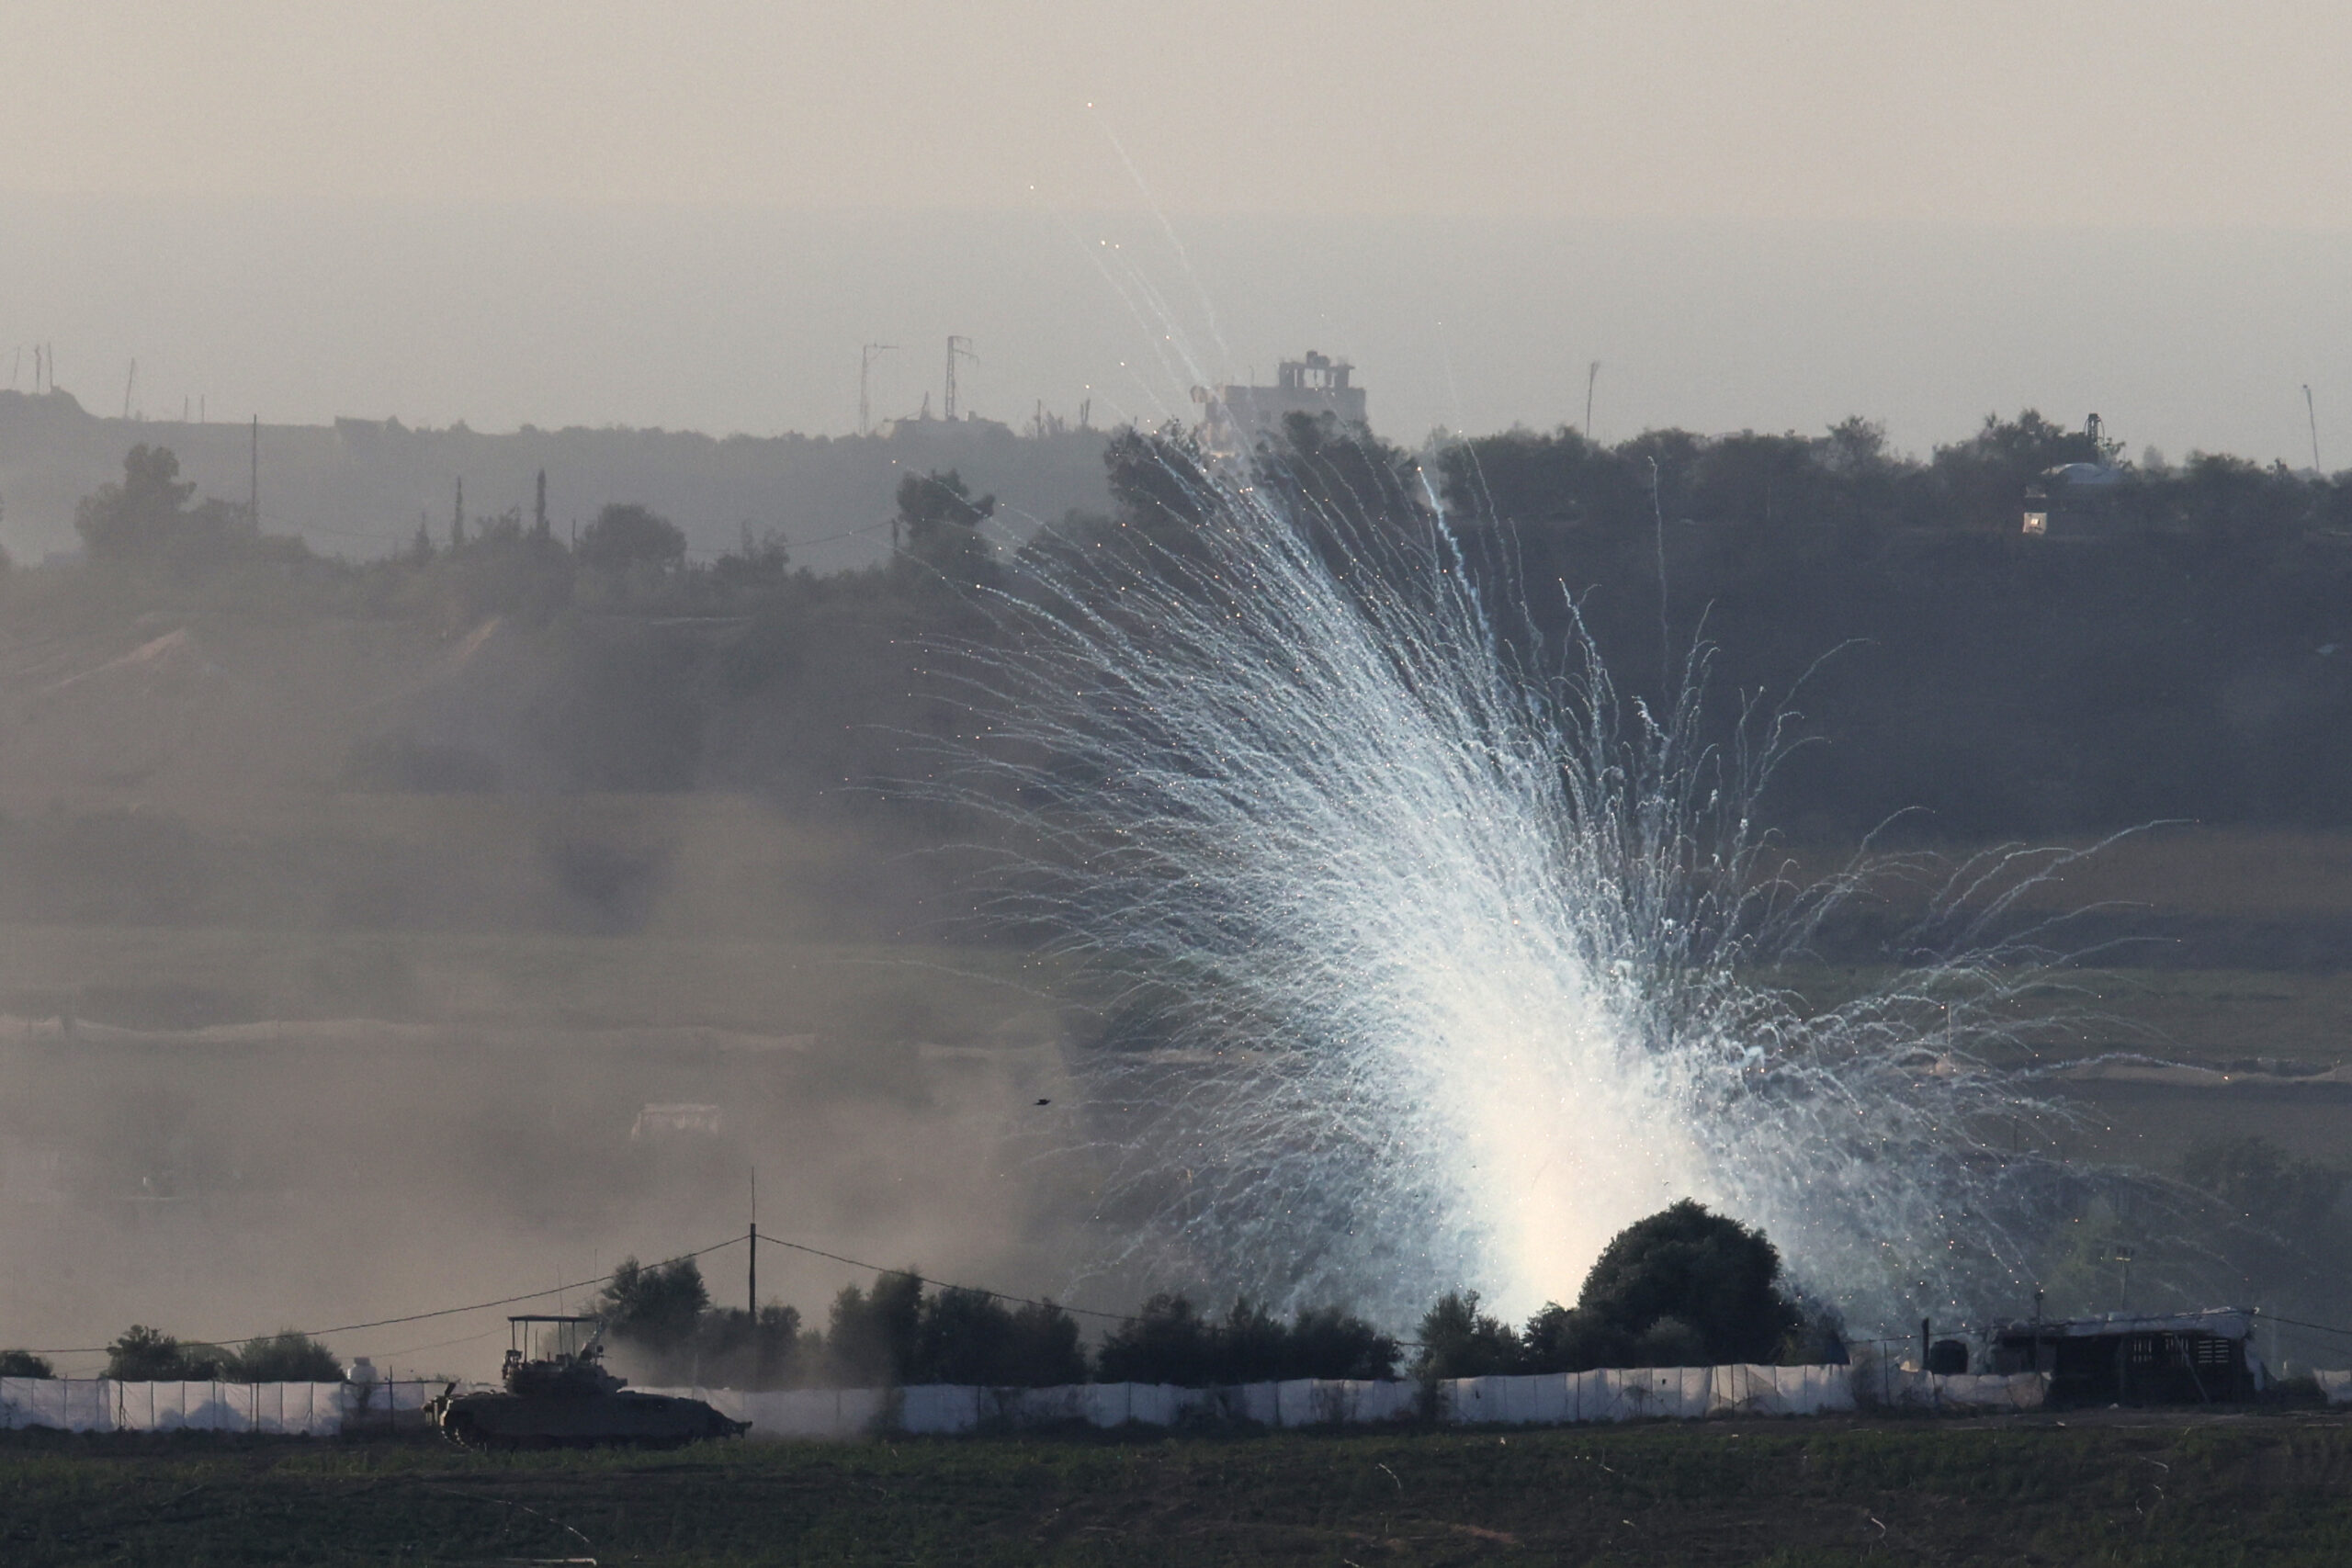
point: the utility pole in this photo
(751, 1285)
(957, 347)
(2311, 413)
(128, 383)
(865, 366)
(252, 477)
(1592, 374)
(539, 509)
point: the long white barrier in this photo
(1684, 1394)
(98, 1404)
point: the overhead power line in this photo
(607, 1279)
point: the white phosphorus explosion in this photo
(1446, 961)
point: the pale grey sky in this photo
(2154, 112)
(691, 214)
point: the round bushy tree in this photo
(1689, 1282)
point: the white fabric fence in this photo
(100, 1405)
(2336, 1386)
(1685, 1394)
(1558, 1399)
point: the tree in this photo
(146, 517)
(1460, 1341)
(941, 519)
(24, 1364)
(969, 1337)
(149, 1355)
(138, 516)
(627, 536)
(287, 1356)
(1167, 1341)
(1329, 1343)
(1683, 1287)
(656, 1307)
(735, 1348)
(873, 1337)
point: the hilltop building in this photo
(1235, 417)
(2074, 499)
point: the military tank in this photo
(565, 1398)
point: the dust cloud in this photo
(305, 1020)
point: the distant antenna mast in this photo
(865, 366)
(1592, 374)
(957, 348)
(252, 477)
(2311, 413)
(128, 383)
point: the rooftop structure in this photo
(1235, 417)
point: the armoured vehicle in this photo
(565, 1398)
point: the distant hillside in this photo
(357, 487)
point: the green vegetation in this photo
(1683, 1288)
(2175, 657)
(147, 1355)
(901, 1330)
(1170, 1341)
(2268, 1490)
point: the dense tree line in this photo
(2181, 649)
(1684, 1286)
(2170, 650)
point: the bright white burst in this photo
(1450, 963)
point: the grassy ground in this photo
(2268, 1490)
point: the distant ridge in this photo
(358, 487)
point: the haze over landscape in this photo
(1333, 683)
(1753, 220)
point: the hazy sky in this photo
(693, 214)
